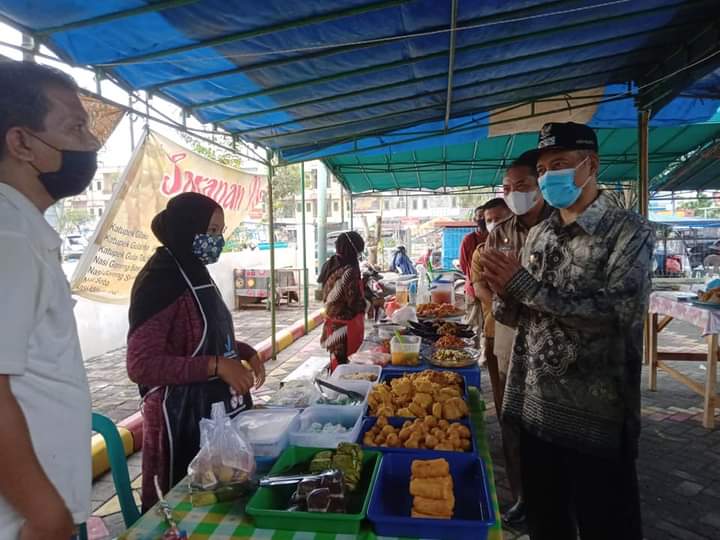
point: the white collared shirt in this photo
(40, 351)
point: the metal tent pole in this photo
(643, 204)
(352, 212)
(306, 296)
(643, 179)
(321, 223)
(271, 231)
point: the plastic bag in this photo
(404, 314)
(225, 458)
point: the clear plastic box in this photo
(348, 417)
(362, 387)
(405, 352)
(346, 370)
(267, 430)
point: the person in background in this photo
(181, 348)
(425, 257)
(473, 310)
(495, 211)
(47, 153)
(401, 263)
(343, 295)
(522, 195)
(578, 299)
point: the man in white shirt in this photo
(46, 153)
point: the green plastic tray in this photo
(268, 506)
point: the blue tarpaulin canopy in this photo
(319, 79)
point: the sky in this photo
(118, 149)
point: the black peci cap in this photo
(567, 136)
(564, 136)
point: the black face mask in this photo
(77, 169)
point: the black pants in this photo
(566, 491)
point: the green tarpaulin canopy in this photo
(481, 164)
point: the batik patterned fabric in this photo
(343, 297)
(578, 305)
(207, 247)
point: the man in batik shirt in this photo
(577, 298)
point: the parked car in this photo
(73, 246)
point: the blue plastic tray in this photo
(471, 374)
(397, 422)
(391, 502)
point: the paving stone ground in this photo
(678, 467)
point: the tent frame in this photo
(661, 85)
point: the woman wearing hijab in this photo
(342, 288)
(181, 345)
(401, 263)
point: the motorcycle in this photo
(375, 290)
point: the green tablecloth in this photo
(228, 521)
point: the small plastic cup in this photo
(405, 353)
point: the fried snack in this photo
(414, 513)
(435, 507)
(417, 395)
(454, 409)
(423, 399)
(436, 310)
(430, 468)
(711, 296)
(448, 329)
(432, 488)
(450, 342)
(424, 433)
(392, 441)
(385, 410)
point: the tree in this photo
(286, 184)
(703, 207)
(71, 219)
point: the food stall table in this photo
(225, 521)
(669, 306)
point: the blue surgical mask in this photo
(558, 187)
(207, 247)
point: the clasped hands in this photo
(498, 269)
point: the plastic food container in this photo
(402, 293)
(442, 292)
(269, 505)
(362, 387)
(388, 331)
(348, 417)
(267, 430)
(350, 372)
(396, 422)
(391, 501)
(296, 394)
(405, 353)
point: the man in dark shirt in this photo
(578, 303)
